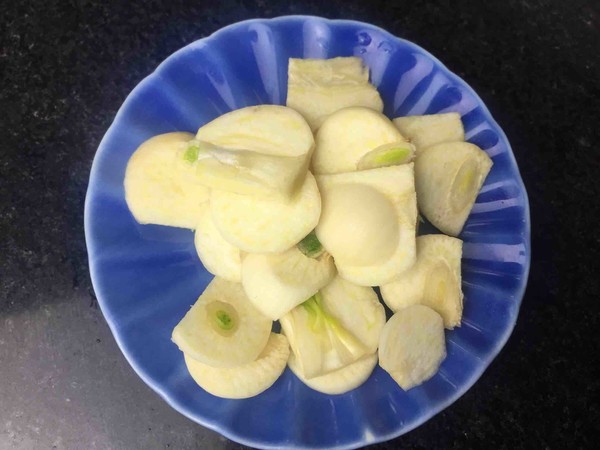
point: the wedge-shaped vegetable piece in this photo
(218, 256)
(318, 340)
(257, 225)
(433, 281)
(412, 345)
(448, 178)
(159, 187)
(268, 129)
(276, 283)
(320, 87)
(357, 308)
(223, 328)
(245, 171)
(386, 155)
(246, 380)
(258, 150)
(431, 129)
(341, 380)
(349, 134)
(334, 328)
(368, 223)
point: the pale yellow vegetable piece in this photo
(257, 225)
(434, 280)
(245, 171)
(357, 308)
(412, 345)
(248, 172)
(431, 129)
(278, 282)
(246, 380)
(341, 380)
(259, 150)
(268, 129)
(358, 224)
(159, 187)
(349, 134)
(317, 339)
(368, 223)
(320, 87)
(223, 328)
(217, 255)
(448, 177)
(336, 327)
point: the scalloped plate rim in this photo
(430, 412)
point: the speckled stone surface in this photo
(65, 68)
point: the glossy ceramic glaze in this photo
(146, 276)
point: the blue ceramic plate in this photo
(147, 276)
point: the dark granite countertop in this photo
(65, 68)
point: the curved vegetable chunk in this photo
(257, 225)
(320, 87)
(259, 150)
(357, 308)
(431, 129)
(448, 178)
(268, 129)
(358, 224)
(276, 283)
(341, 380)
(347, 135)
(368, 223)
(433, 281)
(245, 171)
(223, 328)
(217, 255)
(334, 328)
(412, 345)
(160, 188)
(246, 380)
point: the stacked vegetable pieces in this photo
(299, 211)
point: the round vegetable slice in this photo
(347, 135)
(448, 178)
(412, 345)
(276, 283)
(434, 280)
(223, 328)
(246, 380)
(160, 186)
(257, 225)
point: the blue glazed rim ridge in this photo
(215, 426)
